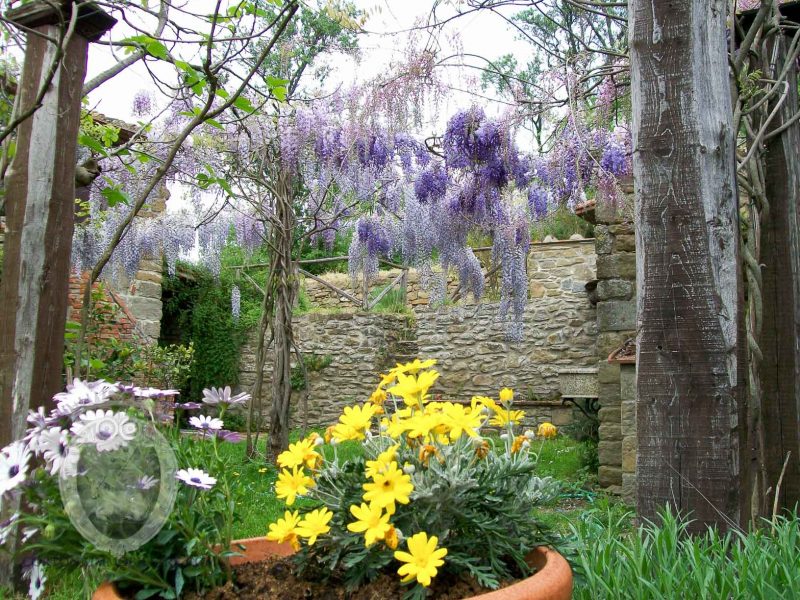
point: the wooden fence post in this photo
(40, 198)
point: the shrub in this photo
(429, 486)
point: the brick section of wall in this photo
(616, 322)
(123, 324)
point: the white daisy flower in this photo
(214, 396)
(206, 423)
(81, 393)
(196, 478)
(6, 527)
(146, 482)
(107, 430)
(37, 578)
(13, 465)
(28, 533)
(151, 392)
(53, 445)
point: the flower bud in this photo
(529, 434)
(409, 469)
(504, 436)
(318, 441)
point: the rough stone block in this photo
(147, 289)
(608, 212)
(629, 454)
(629, 488)
(152, 329)
(607, 372)
(609, 475)
(627, 382)
(611, 432)
(608, 341)
(617, 266)
(148, 309)
(603, 241)
(149, 276)
(614, 289)
(610, 415)
(609, 453)
(561, 416)
(625, 243)
(609, 394)
(616, 316)
(628, 417)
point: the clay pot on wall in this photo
(552, 580)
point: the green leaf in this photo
(215, 123)
(92, 144)
(96, 364)
(225, 186)
(243, 103)
(115, 196)
(145, 593)
(178, 581)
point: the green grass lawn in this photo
(560, 458)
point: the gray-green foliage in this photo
(663, 562)
(480, 508)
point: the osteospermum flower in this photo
(196, 478)
(53, 445)
(37, 580)
(315, 524)
(389, 487)
(285, 529)
(82, 393)
(299, 454)
(206, 423)
(291, 484)
(371, 521)
(13, 465)
(106, 430)
(415, 366)
(216, 396)
(422, 559)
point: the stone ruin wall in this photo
(468, 341)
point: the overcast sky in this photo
(480, 33)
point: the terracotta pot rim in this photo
(552, 580)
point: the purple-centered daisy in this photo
(196, 478)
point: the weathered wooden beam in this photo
(40, 214)
(689, 377)
(397, 280)
(339, 291)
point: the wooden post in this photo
(690, 380)
(40, 206)
(779, 370)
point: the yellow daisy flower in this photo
(462, 420)
(413, 389)
(506, 395)
(503, 417)
(285, 529)
(372, 522)
(299, 454)
(315, 524)
(357, 418)
(382, 461)
(547, 430)
(292, 483)
(388, 487)
(422, 559)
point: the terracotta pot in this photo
(552, 581)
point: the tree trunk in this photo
(689, 378)
(285, 287)
(779, 370)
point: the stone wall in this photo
(546, 265)
(616, 323)
(469, 342)
(359, 347)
